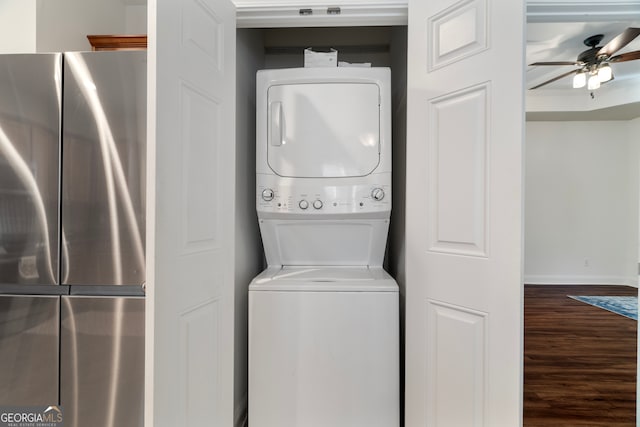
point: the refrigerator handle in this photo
(276, 124)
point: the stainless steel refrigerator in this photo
(72, 232)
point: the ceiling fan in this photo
(593, 63)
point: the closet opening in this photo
(275, 48)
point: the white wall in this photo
(28, 26)
(581, 203)
(63, 25)
(136, 19)
(17, 26)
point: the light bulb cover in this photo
(605, 73)
(579, 80)
(594, 82)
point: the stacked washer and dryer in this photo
(323, 316)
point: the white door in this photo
(191, 169)
(464, 213)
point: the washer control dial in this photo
(267, 194)
(303, 204)
(377, 194)
(317, 204)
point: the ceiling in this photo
(563, 41)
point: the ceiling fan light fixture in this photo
(594, 62)
(594, 82)
(605, 73)
(579, 80)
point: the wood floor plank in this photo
(579, 360)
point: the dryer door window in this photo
(323, 130)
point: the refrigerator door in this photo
(103, 174)
(29, 165)
(29, 337)
(102, 361)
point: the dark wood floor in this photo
(579, 360)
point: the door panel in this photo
(29, 341)
(464, 247)
(191, 164)
(102, 361)
(103, 174)
(29, 165)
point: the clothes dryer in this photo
(323, 317)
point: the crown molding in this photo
(582, 11)
(256, 14)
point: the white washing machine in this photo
(323, 317)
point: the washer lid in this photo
(323, 274)
(324, 279)
(323, 130)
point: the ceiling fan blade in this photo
(555, 78)
(556, 63)
(629, 56)
(620, 41)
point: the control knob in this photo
(303, 204)
(317, 204)
(377, 194)
(267, 194)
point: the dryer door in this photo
(323, 130)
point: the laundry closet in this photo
(279, 48)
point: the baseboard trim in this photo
(581, 280)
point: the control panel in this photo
(316, 199)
